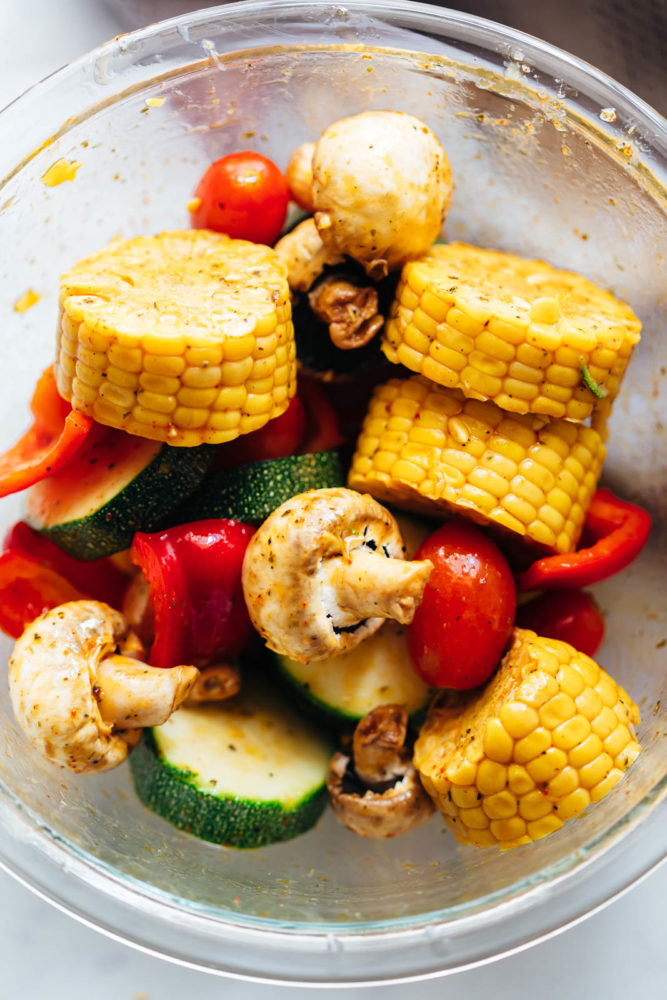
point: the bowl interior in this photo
(535, 173)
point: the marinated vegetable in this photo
(184, 337)
(74, 695)
(514, 331)
(324, 571)
(551, 734)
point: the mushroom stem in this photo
(371, 586)
(215, 683)
(378, 745)
(131, 695)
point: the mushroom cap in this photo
(380, 815)
(382, 186)
(285, 585)
(51, 680)
(299, 174)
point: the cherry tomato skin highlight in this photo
(569, 615)
(244, 195)
(465, 620)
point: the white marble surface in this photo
(44, 955)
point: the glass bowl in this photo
(551, 159)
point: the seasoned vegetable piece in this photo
(382, 186)
(464, 622)
(245, 773)
(324, 570)
(550, 734)
(194, 577)
(427, 448)
(75, 681)
(299, 175)
(347, 686)
(116, 485)
(572, 616)
(304, 255)
(377, 793)
(57, 433)
(620, 530)
(251, 492)
(185, 337)
(511, 330)
(243, 195)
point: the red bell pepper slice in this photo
(27, 590)
(194, 574)
(98, 578)
(56, 434)
(277, 439)
(621, 530)
(322, 427)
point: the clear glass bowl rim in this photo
(630, 849)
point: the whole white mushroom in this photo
(382, 186)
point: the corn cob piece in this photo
(518, 332)
(551, 733)
(430, 449)
(184, 337)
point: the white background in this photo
(45, 955)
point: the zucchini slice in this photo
(343, 689)
(116, 485)
(252, 492)
(245, 773)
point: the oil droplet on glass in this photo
(193, 204)
(155, 102)
(61, 170)
(26, 301)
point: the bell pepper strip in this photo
(620, 530)
(27, 590)
(277, 439)
(194, 574)
(322, 426)
(99, 578)
(56, 434)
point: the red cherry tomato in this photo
(277, 439)
(569, 615)
(244, 195)
(465, 619)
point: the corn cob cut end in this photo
(426, 448)
(185, 337)
(515, 331)
(550, 734)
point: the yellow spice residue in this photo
(193, 204)
(61, 170)
(26, 301)
(155, 102)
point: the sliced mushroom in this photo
(323, 572)
(382, 186)
(377, 792)
(304, 255)
(299, 175)
(75, 684)
(349, 310)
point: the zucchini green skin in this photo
(252, 492)
(384, 674)
(144, 504)
(232, 822)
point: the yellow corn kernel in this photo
(152, 341)
(530, 769)
(508, 472)
(516, 331)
